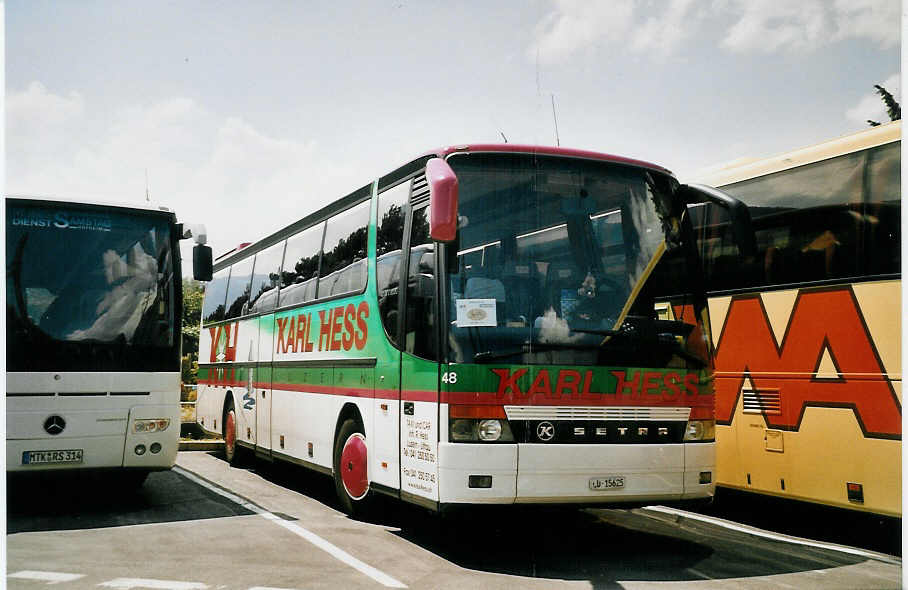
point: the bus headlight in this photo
(700, 431)
(480, 430)
(489, 430)
(152, 425)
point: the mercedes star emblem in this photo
(54, 424)
(545, 431)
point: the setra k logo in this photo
(545, 431)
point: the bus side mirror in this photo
(738, 213)
(442, 200)
(202, 265)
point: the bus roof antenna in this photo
(147, 198)
(502, 135)
(555, 119)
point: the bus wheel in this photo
(351, 478)
(230, 450)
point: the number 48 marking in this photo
(450, 377)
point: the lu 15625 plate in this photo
(611, 482)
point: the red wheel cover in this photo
(230, 431)
(353, 464)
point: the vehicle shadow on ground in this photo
(70, 501)
(603, 547)
(814, 521)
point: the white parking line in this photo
(776, 536)
(128, 583)
(49, 577)
(333, 550)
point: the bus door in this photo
(419, 381)
(263, 387)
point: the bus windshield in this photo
(563, 261)
(89, 289)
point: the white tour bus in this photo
(93, 312)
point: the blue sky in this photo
(249, 115)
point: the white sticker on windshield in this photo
(474, 313)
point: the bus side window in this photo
(342, 268)
(884, 210)
(723, 264)
(265, 278)
(389, 242)
(213, 308)
(419, 330)
(238, 288)
(808, 220)
(299, 272)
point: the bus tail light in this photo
(152, 425)
(700, 431)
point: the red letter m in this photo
(823, 324)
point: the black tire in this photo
(355, 504)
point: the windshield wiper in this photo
(526, 349)
(597, 332)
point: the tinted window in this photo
(884, 210)
(238, 288)
(389, 241)
(420, 336)
(343, 264)
(817, 222)
(213, 309)
(89, 289)
(266, 278)
(300, 270)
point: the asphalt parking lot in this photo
(208, 525)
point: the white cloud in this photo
(878, 20)
(575, 24)
(872, 107)
(36, 123)
(770, 25)
(665, 32)
(216, 170)
(661, 27)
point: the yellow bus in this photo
(807, 330)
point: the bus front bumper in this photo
(575, 474)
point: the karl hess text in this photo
(339, 328)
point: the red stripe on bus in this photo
(702, 405)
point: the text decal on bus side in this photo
(339, 328)
(827, 322)
(223, 342)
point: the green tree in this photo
(893, 109)
(192, 317)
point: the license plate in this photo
(607, 483)
(45, 457)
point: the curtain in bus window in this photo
(389, 242)
(238, 289)
(884, 210)
(265, 279)
(809, 220)
(343, 267)
(299, 272)
(213, 308)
